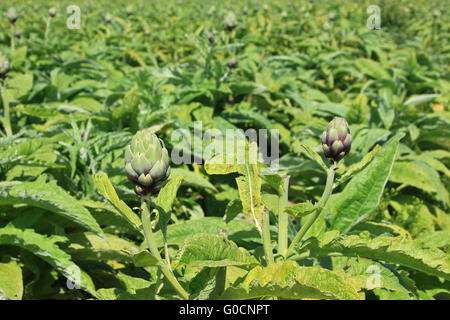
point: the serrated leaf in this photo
(191, 178)
(367, 274)
(394, 250)
(213, 251)
(51, 197)
(419, 175)
(288, 280)
(237, 230)
(301, 209)
(47, 249)
(11, 282)
(89, 246)
(356, 167)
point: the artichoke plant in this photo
(147, 162)
(336, 140)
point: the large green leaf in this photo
(47, 249)
(51, 197)
(394, 250)
(106, 189)
(214, 251)
(89, 246)
(191, 178)
(237, 230)
(367, 274)
(11, 282)
(419, 175)
(288, 280)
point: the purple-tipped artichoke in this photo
(336, 139)
(147, 162)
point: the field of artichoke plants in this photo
(225, 150)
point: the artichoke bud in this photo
(230, 22)
(12, 15)
(52, 12)
(129, 11)
(336, 140)
(147, 162)
(5, 66)
(232, 63)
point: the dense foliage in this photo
(72, 100)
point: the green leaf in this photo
(51, 197)
(165, 199)
(144, 259)
(394, 250)
(420, 99)
(191, 178)
(372, 68)
(366, 274)
(308, 151)
(362, 194)
(18, 85)
(47, 249)
(11, 282)
(438, 239)
(87, 104)
(288, 280)
(301, 209)
(419, 175)
(89, 246)
(333, 108)
(214, 251)
(356, 167)
(168, 193)
(106, 189)
(237, 230)
(234, 207)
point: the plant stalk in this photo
(12, 38)
(283, 219)
(322, 202)
(151, 243)
(47, 29)
(266, 237)
(6, 117)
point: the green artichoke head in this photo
(12, 15)
(52, 12)
(147, 162)
(336, 140)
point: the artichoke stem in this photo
(322, 202)
(151, 243)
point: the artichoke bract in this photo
(336, 140)
(147, 162)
